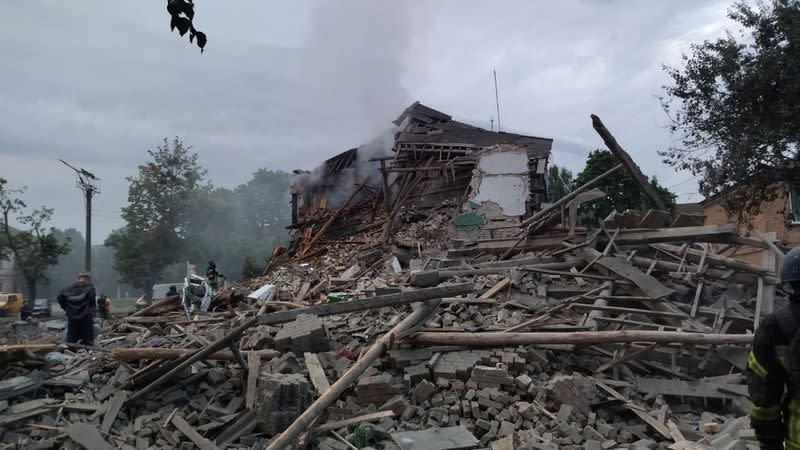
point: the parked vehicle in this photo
(42, 308)
(11, 303)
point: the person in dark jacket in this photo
(172, 292)
(212, 275)
(78, 301)
(773, 368)
(104, 306)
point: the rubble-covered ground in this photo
(459, 379)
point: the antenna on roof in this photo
(496, 99)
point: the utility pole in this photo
(496, 100)
(90, 185)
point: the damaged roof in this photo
(435, 127)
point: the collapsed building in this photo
(431, 299)
(489, 181)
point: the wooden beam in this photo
(625, 158)
(114, 405)
(316, 373)
(253, 369)
(502, 284)
(401, 298)
(500, 339)
(198, 440)
(372, 417)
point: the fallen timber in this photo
(500, 339)
(402, 298)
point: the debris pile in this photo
(412, 330)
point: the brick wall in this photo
(772, 218)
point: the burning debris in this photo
(448, 308)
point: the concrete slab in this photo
(450, 438)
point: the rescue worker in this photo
(212, 276)
(774, 362)
(104, 306)
(172, 292)
(78, 301)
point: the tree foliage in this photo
(182, 17)
(559, 182)
(172, 218)
(159, 216)
(622, 191)
(35, 247)
(735, 108)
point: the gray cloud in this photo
(287, 85)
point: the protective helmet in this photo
(791, 266)
(211, 263)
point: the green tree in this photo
(559, 182)
(735, 108)
(159, 216)
(35, 248)
(622, 191)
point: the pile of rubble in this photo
(409, 333)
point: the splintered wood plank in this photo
(253, 368)
(114, 405)
(303, 291)
(88, 436)
(647, 283)
(316, 373)
(496, 288)
(183, 426)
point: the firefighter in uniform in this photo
(213, 276)
(774, 363)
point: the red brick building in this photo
(781, 216)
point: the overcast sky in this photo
(285, 85)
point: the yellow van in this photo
(10, 303)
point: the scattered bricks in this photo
(608, 445)
(483, 425)
(443, 383)
(489, 403)
(437, 400)
(401, 358)
(506, 429)
(281, 398)
(501, 397)
(415, 374)
(647, 443)
(397, 404)
(576, 391)
(590, 434)
(423, 391)
(491, 377)
(470, 394)
(376, 389)
(564, 412)
(593, 445)
(475, 408)
(522, 382)
(305, 334)
(606, 430)
(491, 434)
(710, 428)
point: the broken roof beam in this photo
(401, 298)
(556, 207)
(623, 156)
(696, 256)
(647, 283)
(500, 339)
